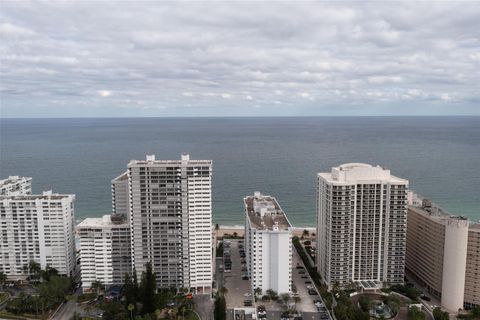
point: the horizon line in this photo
(259, 116)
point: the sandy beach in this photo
(240, 230)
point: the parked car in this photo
(424, 297)
(312, 292)
(301, 271)
(245, 277)
(247, 303)
(308, 282)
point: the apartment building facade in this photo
(105, 250)
(443, 254)
(361, 226)
(16, 186)
(170, 215)
(37, 228)
(268, 244)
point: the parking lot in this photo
(310, 306)
(238, 290)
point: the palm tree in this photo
(130, 308)
(223, 291)
(296, 299)
(285, 297)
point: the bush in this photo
(411, 292)
(415, 314)
(365, 303)
(438, 314)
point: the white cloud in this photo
(104, 93)
(292, 52)
(226, 96)
(11, 30)
(384, 79)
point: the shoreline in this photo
(240, 230)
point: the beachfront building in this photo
(15, 186)
(120, 194)
(443, 254)
(105, 250)
(471, 298)
(268, 244)
(37, 228)
(361, 226)
(170, 212)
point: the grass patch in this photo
(4, 297)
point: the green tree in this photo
(54, 290)
(49, 272)
(475, 313)
(148, 286)
(33, 270)
(135, 285)
(219, 308)
(129, 291)
(3, 279)
(415, 314)
(438, 314)
(223, 291)
(114, 310)
(272, 294)
(130, 308)
(296, 299)
(365, 303)
(305, 233)
(285, 298)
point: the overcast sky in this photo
(99, 58)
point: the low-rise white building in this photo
(37, 228)
(15, 186)
(268, 244)
(105, 250)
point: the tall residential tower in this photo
(15, 186)
(170, 212)
(37, 228)
(447, 263)
(361, 225)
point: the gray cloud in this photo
(69, 58)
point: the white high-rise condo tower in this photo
(268, 244)
(105, 250)
(361, 226)
(16, 186)
(37, 228)
(170, 212)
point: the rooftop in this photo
(150, 160)
(264, 213)
(122, 177)
(103, 222)
(13, 179)
(427, 208)
(358, 172)
(47, 195)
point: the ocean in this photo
(440, 156)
